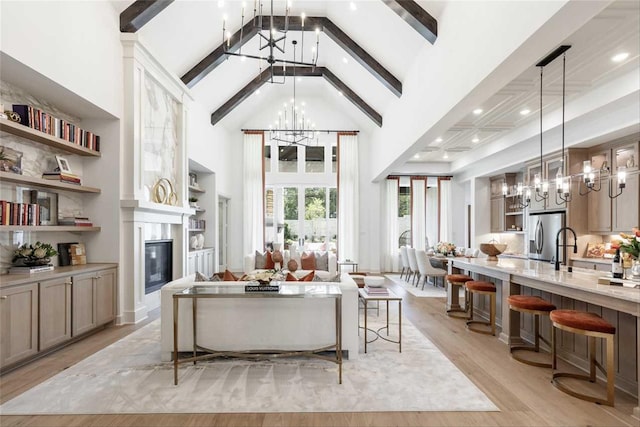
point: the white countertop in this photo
(580, 279)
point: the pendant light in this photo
(540, 184)
(563, 184)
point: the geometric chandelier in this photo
(275, 40)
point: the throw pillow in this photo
(335, 278)
(261, 260)
(229, 277)
(308, 278)
(308, 261)
(269, 264)
(202, 278)
(322, 261)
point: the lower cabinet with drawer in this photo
(42, 312)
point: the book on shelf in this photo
(26, 269)
(44, 122)
(19, 213)
(376, 291)
(62, 176)
(78, 221)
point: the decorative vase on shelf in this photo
(635, 269)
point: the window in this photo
(315, 215)
(290, 197)
(267, 158)
(288, 159)
(334, 159)
(404, 215)
(314, 161)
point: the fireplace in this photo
(158, 261)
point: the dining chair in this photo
(413, 264)
(405, 261)
(426, 269)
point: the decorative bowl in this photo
(492, 250)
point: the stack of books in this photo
(63, 177)
(19, 213)
(78, 221)
(376, 291)
(30, 269)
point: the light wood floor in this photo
(523, 393)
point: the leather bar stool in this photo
(456, 281)
(592, 326)
(537, 307)
(482, 288)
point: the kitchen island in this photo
(577, 290)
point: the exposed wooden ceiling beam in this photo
(139, 13)
(416, 16)
(353, 97)
(216, 57)
(265, 75)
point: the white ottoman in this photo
(373, 281)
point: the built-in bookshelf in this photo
(45, 139)
(29, 181)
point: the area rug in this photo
(429, 291)
(128, 377)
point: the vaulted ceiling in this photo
(366, 51)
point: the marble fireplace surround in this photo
(143, 221)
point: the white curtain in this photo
(253, 212)
(348, 202)
(432, 215)
(391, 213)
(418, 212)
(446, 216)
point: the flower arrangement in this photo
(631, 243)
(445, 248)
(265, 276)
(34, 254)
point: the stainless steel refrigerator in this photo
(542, 230)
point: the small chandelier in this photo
(275, 40)
(292, 127)
(522, 193)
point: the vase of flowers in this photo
(631, 245)
(34, 254)
(445, 248)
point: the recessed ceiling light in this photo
(445, 155)
(345, 60)
(339, 93)
(416, 156)
(352, 6)
(257, 91)
(620, 57)
(477, 111)
(475, 139)
(525, 111)
(299, 79)
(438, 139)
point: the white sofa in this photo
(250, 264)
(255, 323)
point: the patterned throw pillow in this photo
(202, 278)
(322, 260)
(308, 261)
(308, 278)
(335, 278)
(261, 260)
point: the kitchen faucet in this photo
(564, 244)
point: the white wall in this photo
(74, 43)
(474, 59)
